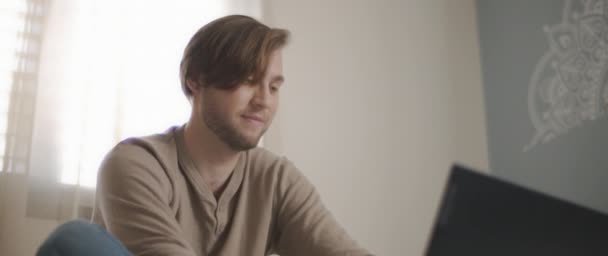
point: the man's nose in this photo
(261, 97)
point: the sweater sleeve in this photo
(133, 194)
(304, 225)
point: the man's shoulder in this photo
(155, 144)
(139, 167)
(156, 141)
(151, 153)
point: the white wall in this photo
(381, 97)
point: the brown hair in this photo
(228, 50)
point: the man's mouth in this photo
(254, 118)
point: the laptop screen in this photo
(482, 215)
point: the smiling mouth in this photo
(253, 119)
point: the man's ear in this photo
(193, 86)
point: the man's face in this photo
(240, 117)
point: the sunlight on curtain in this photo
(110, 72)
(11, 24)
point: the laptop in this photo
(484, 216)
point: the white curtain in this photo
(76, 77)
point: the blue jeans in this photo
(79, 237)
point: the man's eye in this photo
(249, 80)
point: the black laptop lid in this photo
(481, 215)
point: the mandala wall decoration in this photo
(568, 87)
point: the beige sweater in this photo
(151, 197)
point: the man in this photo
(204, 188)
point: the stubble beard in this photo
(228, 133)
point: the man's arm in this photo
(304, 225)
(133, 202)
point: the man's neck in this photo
(214, 160)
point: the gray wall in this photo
(543, 66)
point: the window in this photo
(20, 25)
(108, 71)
